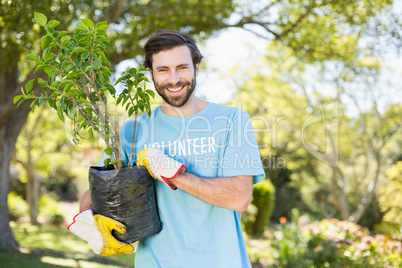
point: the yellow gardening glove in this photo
(159, 165)
(97, 231)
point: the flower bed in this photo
(328, 243)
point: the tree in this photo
(325, 63)
(133, 21)
(37, 158)
(327, 186)
(33, 177)
(391, 197)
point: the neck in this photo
(193, 106)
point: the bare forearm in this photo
(233, 193)
(86, 202)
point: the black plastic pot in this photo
(126, 195)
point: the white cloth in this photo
(84, 227)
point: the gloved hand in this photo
(96, 230)
(159, 165)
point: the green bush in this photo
(328, 243)
(17, 207)
(392, 230)
(372, 214)
(62, 182)
(257, 215)
(50, 211)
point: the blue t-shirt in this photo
(219, 141)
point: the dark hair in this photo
(168, 39)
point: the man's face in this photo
(174, 75)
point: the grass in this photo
(51, 247)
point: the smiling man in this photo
(205, 158)
(174, 76)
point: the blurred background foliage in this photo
(324, 100)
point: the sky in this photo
(235, 46)
(222, 52)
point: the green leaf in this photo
(60, 114)
(88, 68)
(31, 57)
(21, 101)
(144, 69)
(42, 82)
(17, 98)
(108, 151)
(48, 69)
(66, 83)
(104, 37)
(85, 101)
(97, 63)
(62, 34)
(40, 18)
(131, 111)
(50, 56)
(38, 68)
(53, 23)
(101, 26)
(81, 27)
(29, 85)
(52, 103)
(105, 70)
(111, 89)
(119, 98)
(132, 71)
(88, 23)
(46, 53)
(91, 134)
(80, 135)
(33, 105)
(119, 80)
(126, 98)
(151, 93)
(45, 41)
(107, 161)
(40, 100)
(104, 56)
(60, 57)
(80, 49)
(65, 38)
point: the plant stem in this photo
(109, 119)
(92, 123)
(134, 129)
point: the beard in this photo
(176, 101)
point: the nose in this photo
(173, 77)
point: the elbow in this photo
(243, 202)
(244, 193)
(241, 208)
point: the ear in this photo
(197, 69)
(151, 75)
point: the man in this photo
(205, 158)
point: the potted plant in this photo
(79, 88)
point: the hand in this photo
(159, 165)
(97, 231)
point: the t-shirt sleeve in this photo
(241, 155)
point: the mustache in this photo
(178, 84)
